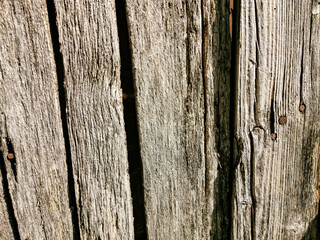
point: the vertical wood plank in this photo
(277, 176)
(31, 124)
(91, 60)
(176, 56)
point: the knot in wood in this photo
(283, 120)
(10, 156)
(302, 108)
(273, 136)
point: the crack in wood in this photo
(257, 74)
(13, 161)
(5, 184)
(301, 72)
(272, 116)
(235, 148)
(131, 125)
(252, 189)
(205, 113)
(63, 111)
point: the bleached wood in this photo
(173, 43)
(276, 182)
(30, 118)
(90, 50)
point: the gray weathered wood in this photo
(90, 48)
(173, 43)
(30, 118)
(276, 182)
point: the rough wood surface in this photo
(276, 181)
(209, 172)
(90, 50)
(30, 125)
(176, 73)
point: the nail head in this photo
(273, 136)
(10, 156)
(302, 108)
(283, 120)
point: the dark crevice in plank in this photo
(187, 49)
(7, 197)
(43, 225)
(318, 218)
(62, 98)
(257, 80)
(188, 98)
(131, 125)
(252, 188)
(13, 161)
(205, 113)
(311, 23)
(232, 114)
(301, 72)
(272, 117)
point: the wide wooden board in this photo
(176, 56)
(277, 164)
(30, 126)
(91, 60)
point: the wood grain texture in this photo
(276, 181)
(31, 124)
(177, 75)
(90, 49)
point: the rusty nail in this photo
(283, 120)
(10, 156)
(302, 108)
(273, 136)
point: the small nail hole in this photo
(302, 108)
(273, 136)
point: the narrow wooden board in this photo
(31, 124)
(177, 73)
(276, 181)
(90, 49)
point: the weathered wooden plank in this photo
(90, 49)
(31, 124)
(277, 176)
(176, 55)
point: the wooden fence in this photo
(143, 119)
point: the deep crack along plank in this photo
(91, 59)
(172, 46)
(30, 125)
(6, 231)
(276, 180)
